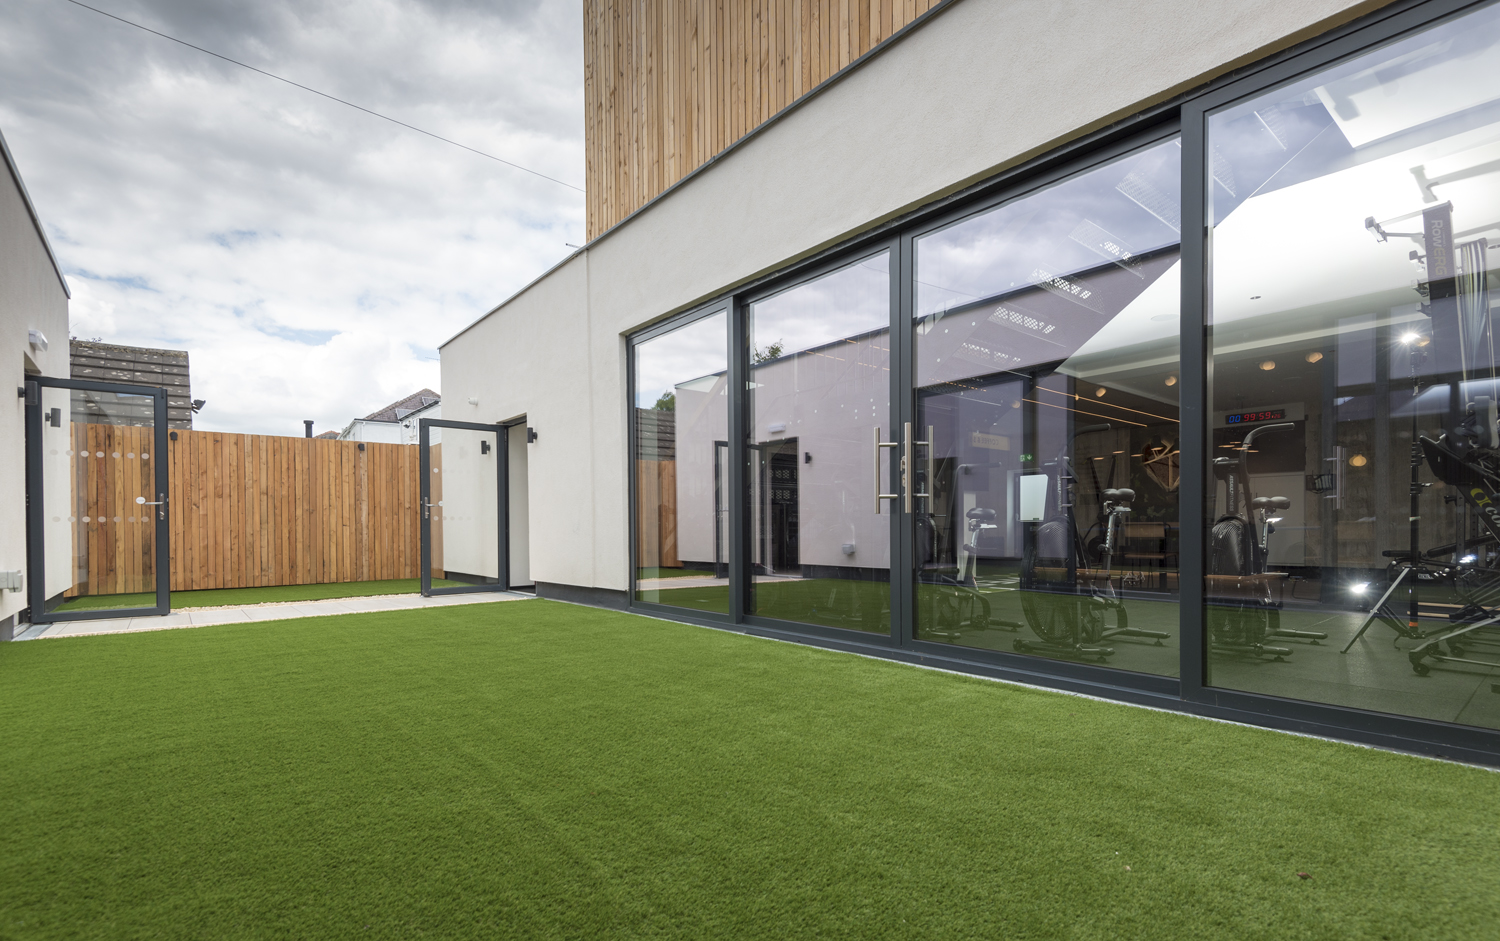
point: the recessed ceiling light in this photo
(1314, 357)
(1099, 393)
(1171, 380)
(1358, 460)
(1268, 365)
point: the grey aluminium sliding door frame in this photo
(502, 506)
(1189, 693)
(1380, 728)
(36, 567)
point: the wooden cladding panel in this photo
(246, 511)
(668, 84)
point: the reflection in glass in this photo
(465, 512)
(681, 446)
(1046, 442)
(99, 498)
(1356, 457)
(819, 394)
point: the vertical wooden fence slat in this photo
(246, 510)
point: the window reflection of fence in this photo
(656, 508)
(246, 510)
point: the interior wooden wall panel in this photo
(668, 84)
(246, 511)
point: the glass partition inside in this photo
(681, 421)
(1353, 546)
(1046, 442)
(819, 400)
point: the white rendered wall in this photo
(984, 85)
(31, 298)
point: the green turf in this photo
(538, 770)
(214, 597)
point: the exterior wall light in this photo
(1358, 460)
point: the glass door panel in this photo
(101, 513)
(463, 486)
(1045, 443)
(819, 397)
(1353, 553)
(681, 422)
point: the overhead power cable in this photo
(383, 117)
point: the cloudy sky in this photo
(308, 256)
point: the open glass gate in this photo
(96, 489)
(464, 501)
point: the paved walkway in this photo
(202, 617)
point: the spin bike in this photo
(1244, 596)
(1069, 605)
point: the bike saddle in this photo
(1270, 503)
(981, 513)
(1123, 495)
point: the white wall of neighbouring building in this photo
(33, 296)
(980, 86)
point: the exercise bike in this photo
(1243, 595)
(1068, 604)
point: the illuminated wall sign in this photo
(1244, 418)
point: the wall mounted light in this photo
(530, 435)
(1358, 460)
(807, 457)
(37, 339)
(198, 405)
(484, 447)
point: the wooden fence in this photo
(246, 510)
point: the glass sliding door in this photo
(818, 401)
(97, 488)
(464, 492)
(1045, 447)
(680, 418)
(1353, 550)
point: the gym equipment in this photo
(1244, 596)
(963, 605)
(1066, 602)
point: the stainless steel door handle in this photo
(878, 495)
(931, 466)
(161, 501)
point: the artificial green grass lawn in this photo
(214, 597)
(534, 769)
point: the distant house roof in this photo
(400, 409)
(328, 434)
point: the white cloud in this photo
(308, 256)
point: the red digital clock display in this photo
(1243, 418)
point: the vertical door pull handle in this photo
(878, 495)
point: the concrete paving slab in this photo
(249, 614)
